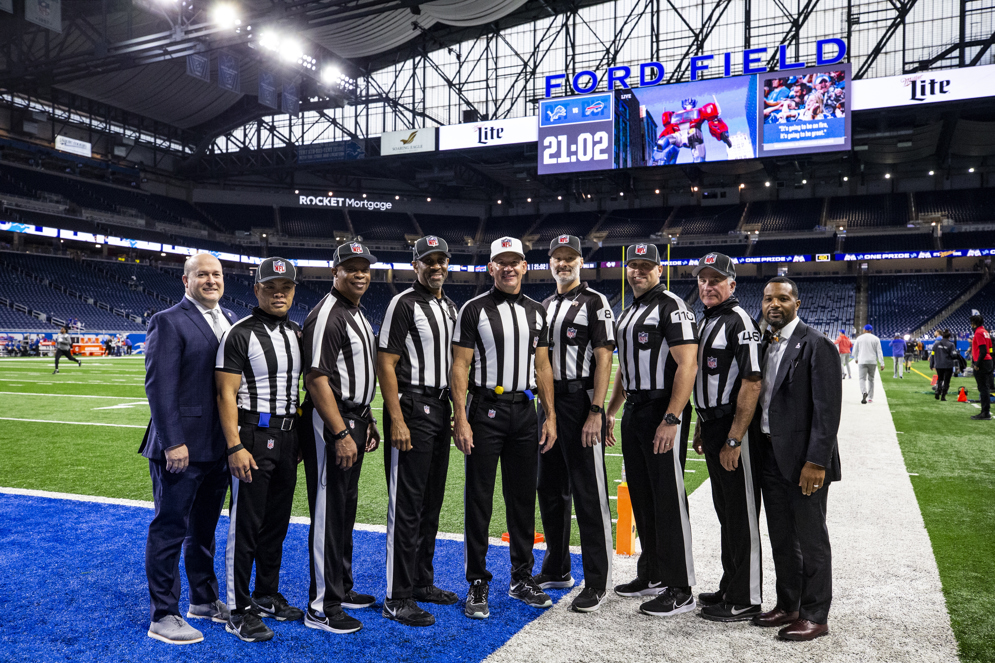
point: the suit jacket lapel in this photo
(198, 319)
(790, 353)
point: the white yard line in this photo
(888, 603)
(74, 423)
(24, 393)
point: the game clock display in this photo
(576, 134)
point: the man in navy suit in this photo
(186, 451)
(799, 418)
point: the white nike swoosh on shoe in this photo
(739, 612)
(653, 585)
(392, 612)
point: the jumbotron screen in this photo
(721, 119)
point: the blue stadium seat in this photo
(901, 303)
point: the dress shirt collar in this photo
(576, 290)
(200, 307)
(788, 329)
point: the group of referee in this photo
(471, 375)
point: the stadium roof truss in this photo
(411, 64)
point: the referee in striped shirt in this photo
(657, 356)
(501, 337)
(340, 353)
(413, 366)
(582, 337)
(257, 373)
(725, 400)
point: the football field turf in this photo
(79, 432)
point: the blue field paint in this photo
(73, 588)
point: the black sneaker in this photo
(589, 600)
(435, 595)
(407, 612)
(527, 591)
(727, 612)
(55, 371)
(549, 581)
(336, 622)
(710, 598)
(355, 600)
(640, 587)
(247, 627)
(863, 401)
(475, 606)
(674, 601)
(983, 417)
(276, 606)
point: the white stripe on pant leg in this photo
(682, 501)
(230, 547)
(606, 515)
(751, 514)
(318, 521)
(391, 518)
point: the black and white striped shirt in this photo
(656, 322)
(266, 351)
(339, 343)
(504, 332)
(579, 321)
(418, 326)
(728, 351)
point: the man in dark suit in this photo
(186, 451)
(798, 418)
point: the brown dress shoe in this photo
(775, 617)
(803, 630)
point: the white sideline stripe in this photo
(90, 382)
(75, 423)
(118, 398)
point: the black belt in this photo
(713, 413)
(355, 409)
(265, 420)
(508, 396)
(571, 386)
(646, 395)
(441, 394)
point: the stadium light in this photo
(930, 172)
(364, 195)
(970, 170)
(528, 200)
(296, 190)
(766, 183)
(163, 255)
(329, 193)
(559, 197)
(429, 199)
(804, 181)
(846, 179)
(225, 15)
(742, 186)
(887, 176)
(499, 201)
(290, 49)
(269, 39)
(397, 197)
(657, 191)
(264, 234)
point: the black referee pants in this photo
(332, 495)
(260, 514)
(64, 353)
(659, 500)
(736, 496)
(416, 486)
(505, 432)
(983, 378)
(571, 470)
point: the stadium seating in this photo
(382, 225)
(961, 206)
(899, 304)
(16, 321)
(785, 215)
(801, 245)
(566, 223)
(450, 228)
(870, 211)
(707, 220)
(634, 223)
(896, 242)
(515, 226)
(302, 222)
(239, 217)
(976, 239)
(983, 302)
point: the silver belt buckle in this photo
(287, 424)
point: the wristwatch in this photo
(732, 443)
(597, 409)
(672, 419)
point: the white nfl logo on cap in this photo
(279, 267)
(506, 243)
(564, 239)
(357, 248)
(640, 249)
(432, 241)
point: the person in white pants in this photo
(868, 355)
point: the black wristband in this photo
(234, 449)
(342, 435)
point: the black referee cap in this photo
(430, 244)
(642, 252)
(566, 241)
(720, 262)
(276, 268)
(352, 250)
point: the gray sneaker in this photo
(173, 630)
(217, 612)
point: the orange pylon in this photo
(625, 532)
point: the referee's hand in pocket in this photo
(241, 463)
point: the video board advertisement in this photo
(576, 134)
(806, 111)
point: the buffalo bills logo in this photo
(713, 362)
(279, 267)
(506, 243)
(644, 337)
(491, 414)
(432, 241)
(356, 248)
(563, 239)
(710, 259)
(571, 332)
(640, 249)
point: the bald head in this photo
(203, 280)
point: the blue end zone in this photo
(73, 588)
